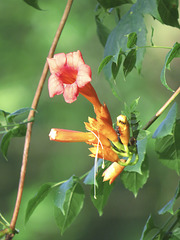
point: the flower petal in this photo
(74, 59)
(53, 67)
(71, 92)
(60, 59)
(84, 75)
(106, 153)
(55, 86)
(102, 126)
(104, 114)
(99, 137)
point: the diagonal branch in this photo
(31, 115)
(161, 110)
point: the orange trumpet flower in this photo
(113, 171)
(105, 153)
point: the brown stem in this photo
(161, 110)
(32, 113)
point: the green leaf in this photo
(101, 193)
(111, 4)
(104, 62)
(148, 228)
(37, 199)
(116, 65)
(167, 125)
(143, 134)
(89, 179)
(167, 141)
(61, 191)
(168, 149)
(133, 181)
(72, 206)
(3, 120)
(102, 31)
(134, 104)
(5, 142)
(19, 112)
(132, 40)
(129, 62)
(33, 3)
(168, 11)
(169, 206)
(141, 149)
(133, 117)
(173, 53)
(19, 130)
(134, 124)
(131, 22)
(176, 233)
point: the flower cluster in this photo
(71, 76)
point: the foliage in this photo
(11, 128)
(124, 50)
(151, 231)
(33, 3)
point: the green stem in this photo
(119, 146)
(84, 175)
(160, 230)
(6, 222)
(5, 231)
(163, 47)
(127, 162)
(57, 184)
(135, 161)
(166, 235)
(16, 124)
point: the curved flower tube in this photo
(113, 171)
(64, 135)
(90, 94)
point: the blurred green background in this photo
(25, 38)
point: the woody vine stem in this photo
(36, 98)
(32, 114)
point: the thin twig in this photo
(32, 113)
(161, 110)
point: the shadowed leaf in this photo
(173, 53)
(132, 40)
(133, 181)
(114, 3)
(103, 190)
(33, 3)
(167, 140)
(71, 203)
(37, 199)
(169, 206)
